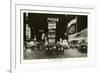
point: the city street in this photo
(48, 36)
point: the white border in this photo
(17, 66)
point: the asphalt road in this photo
(68, 53)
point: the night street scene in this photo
(51, 36)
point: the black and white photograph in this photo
(54, 36)
(51, 36)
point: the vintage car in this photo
(55, 49)
(83, 46)
(74, 43)
(78, 43)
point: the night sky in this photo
(38, 21)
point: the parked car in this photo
(78, 43)
(74, 43)
(83, 49)
(83, 46)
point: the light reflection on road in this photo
(68, 53)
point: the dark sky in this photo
(38, 21)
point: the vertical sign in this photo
(52, 30)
